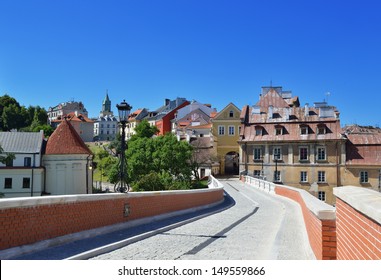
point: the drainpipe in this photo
(87, 174)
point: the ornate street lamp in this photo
(124, 111)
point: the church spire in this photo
(106, 106)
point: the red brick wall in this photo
(321, 233)
(358, 237)
(29, 224)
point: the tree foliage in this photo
(15, 116)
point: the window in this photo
(221, 130)
(303, 153)
(277, 176)
(231, 114)
(231, 130)
(26, 183)
(321, 153)
(257, 153)
(321, 195)
(7, 183)
(304, 130)
(321, 130)
(27, 162)
(277, 153)
(364, 177)
(278, 130)
(258, 131)
(321, 176)
(303, 177)
(257, 173)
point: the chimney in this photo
(166, 101)
(306, 110)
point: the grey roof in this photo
(21, 142)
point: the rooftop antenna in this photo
(327, 94)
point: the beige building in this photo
(225, 131)
(293, 145)
(363, 157)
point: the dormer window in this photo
(304, 129)
(258, 131)
(321, 129)
(279, 130)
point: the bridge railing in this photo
(319, 217)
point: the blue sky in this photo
(211, 51)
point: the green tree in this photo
(13, 117)
(145, 130)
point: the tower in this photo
(106, 107)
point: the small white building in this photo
(23, 176)
(68, 162)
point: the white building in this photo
(23, 176)
(106, 125)
(68, 162)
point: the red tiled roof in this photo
(65, 140)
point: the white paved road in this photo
(258, 227)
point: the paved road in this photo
(258, 227)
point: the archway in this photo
(232, 163)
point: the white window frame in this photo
(303, 176)
(231, 130)
(304, 130)
(321, 130)
(221, 130)
(255, 153)
(321, 150)
(300, 153)
(279, 130)
(277, 156)
(364, 177)
(322, 177)
(321, 195)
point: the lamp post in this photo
(124, 111)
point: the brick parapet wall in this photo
(29, 220)
(358, 224)
(319, 221)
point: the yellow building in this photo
(225, 130)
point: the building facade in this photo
(363, 157)
(225, 131)
(23, 176)
(62, 109)
(133, 120)
(288, 144)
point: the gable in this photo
(272, 98)
(225, 114)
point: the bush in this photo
(149, 182)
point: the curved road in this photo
(258, 227)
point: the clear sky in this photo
(216, 52)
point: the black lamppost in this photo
(124, 111)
